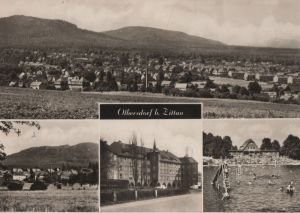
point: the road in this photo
(180, 203)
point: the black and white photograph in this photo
(151, 165)
(49, 166)
(251, 165)
(59, 58)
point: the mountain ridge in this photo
(20, 30)
(78, 155)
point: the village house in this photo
(264, 77)
(38, 85)
(279, 79)
(181, 86)
(199, 84)
(249, 76)
(165, 84)
(75, 83)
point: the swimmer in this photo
(254, 176)
(270, 182)
(281, 189)
(225, 195)
(249, 183)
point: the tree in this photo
(135, 156)
(266, 144)
(254, 88)
(243, 91)
(106, 160)
(227, 145)
(291, 147)
(8, 127)
(275, 145)
(210, 84)
(90, 76)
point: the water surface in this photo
(254, 195)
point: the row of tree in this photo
(218, 147)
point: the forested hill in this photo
(79, 155)
(25, 31)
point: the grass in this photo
(18, 103)
(53, 201)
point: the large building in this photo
(251, 153)
(147, 167)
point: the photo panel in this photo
(150, 158)
(49, 165)
(251, 165)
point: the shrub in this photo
(39, 185)
(106, 197)
(125, 195)
(15, 185)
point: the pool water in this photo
(249, 195)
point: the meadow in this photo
(50, 201)
(19, 103)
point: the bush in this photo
(106, 197)
(125, 195)
(39, 185)
(146, 194)
(15, 185)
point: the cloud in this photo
(52, 133)
(239, 22)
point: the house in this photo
(12, 84)
(271, 93)
(18, 174)
(21, 84)
(181, 86)
(61, 84)
(199, 84)
(249, 76)
(265, 78)
(291, 91)
(38, 85)
(75, 83)
(165, 83)
(280, 79)
(250, 149)
(237, 75)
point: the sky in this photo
(51, 133)
(236, 22)
(241, 130)
(176, 136)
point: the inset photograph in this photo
(49, 166)
(151, 165)
(251, 165)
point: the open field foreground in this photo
(19, 103)
(50, 200)
(180, 203)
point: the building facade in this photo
(249, 152)
(149, 167)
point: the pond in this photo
(249, 195)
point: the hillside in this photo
(283, 43)
(158, 37)
(55, 156)
(29, 31)
(25, 31)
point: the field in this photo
(239, 82)
(18, 103)
(50, 200)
